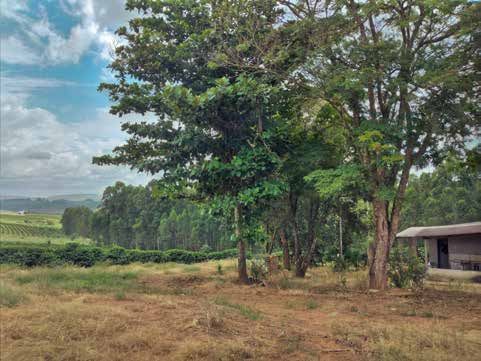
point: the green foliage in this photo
(216, 113)
(450, 194)
(334, 183)
(87, 256)
(340, 264)
(133, 217)
(258, 269)
(77, 221)
(118, 255)
(405, 269)
(76, 254)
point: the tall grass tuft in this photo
(9, 296)
(244, 310)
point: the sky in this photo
(53, 55)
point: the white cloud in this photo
(96, 23)
(14, 51)
(14, 10)
(40, 155)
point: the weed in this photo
(291, 304)
(244, 310)
(212, 320)
(427, 314)
(311, 304)
(291, 343)
(408, 313)
(220, 271)
(120, 295)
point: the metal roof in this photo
(440, 231)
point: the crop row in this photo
(24, 230)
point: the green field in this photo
(33, 228)
(32, 219)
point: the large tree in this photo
(211, 139)
(402, 76)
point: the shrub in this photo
(80, 255)
(118, 255)
(340, 264)
(258, 269)
(27, 255)
(405, 269)
(86, 256)
(205, 248)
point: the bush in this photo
(27, 255)
(405, 269)
(86, 256)
(340, 264)
(118, 255)
(80, 255)
(258, 269)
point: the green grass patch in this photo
(78, 279)
(311, 304)
(34, 219)
(244, 310)
(10, 297)
(190, 269)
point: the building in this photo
(457, 246)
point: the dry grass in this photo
(177, 312)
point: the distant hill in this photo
(75, 197)
(56, 204)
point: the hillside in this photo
(75, 197)
(54, 205)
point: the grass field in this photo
(33, 228)
(199, 312)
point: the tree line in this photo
(450, 194)
(295, 110)
(132, 217)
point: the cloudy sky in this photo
(53, 54)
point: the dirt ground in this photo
(201, 313)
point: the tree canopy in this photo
(261, 100)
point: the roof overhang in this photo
(441, 231)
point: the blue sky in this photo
(53, 55)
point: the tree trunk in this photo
(298, 259)
(241, 261)
(300, 269)
(270, 245)
(380, 248)
(285, 250)
(299, 272)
